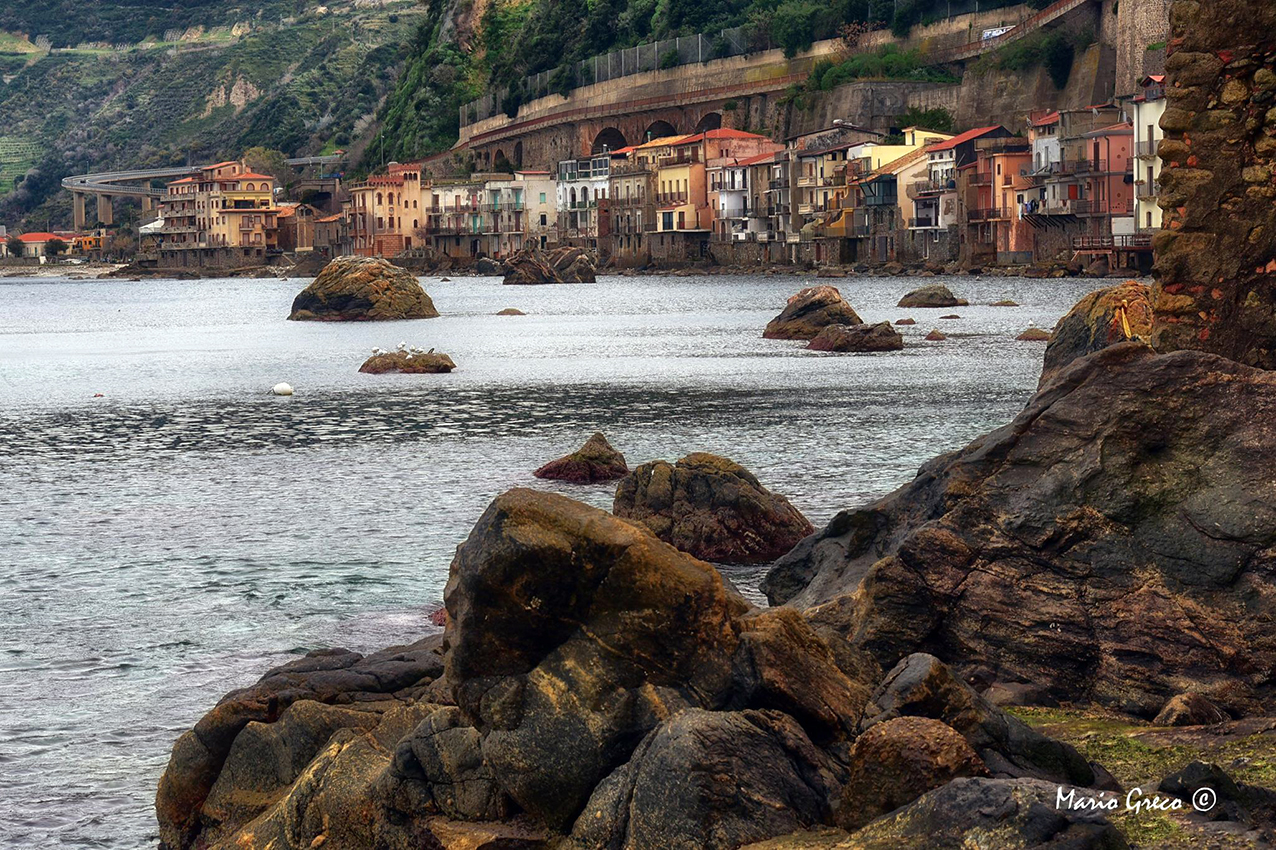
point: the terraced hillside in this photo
(192, 88)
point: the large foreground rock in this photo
(809, 312)
(562, 265)
(1114, 542)
(1097, 322)
(935, 295)
(847, 338)
(369, 686)
(576, 633)
(712, 508)
(594, 462)
(352, 289)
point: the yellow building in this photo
(224, 218)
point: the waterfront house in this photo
(1146, 109)
(935, 198)
(992, 197)
(541, 218)
(297, 226)
(581, 200)
(332, 236)
(224, 218)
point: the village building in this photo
(1146, 110)
(224, 218)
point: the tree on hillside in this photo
(54, 247)
(269, 161)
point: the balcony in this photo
(1146, 191)
(987, 214)
(922, 224)
(923, 188)
(779, 183)
(629, 169)
(671, 199)
(1102, 208)
(684, 157)
(980, 178)
(1147, 149)
(1092, 166)
(808, 209)
(808, 180)
(1141, 241)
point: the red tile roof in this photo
(252, 175)
(962, 138)
(183, 180)
(1047, 119)
(721, 133)
(754, 160)
(39, 237)
(329, 218)
(219, 165)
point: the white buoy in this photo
(282, 389)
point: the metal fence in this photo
(656, 55)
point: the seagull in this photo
(376, 352)
(431, 351)
(402, 347)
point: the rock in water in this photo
(935, 295)
(1004, 303)
(711, 507)
(879, 337)
(592, 463)
(936, 335)
(352, 289)
(488, 266)
(405, 361)
(1096, 322)
(1034, 335)
(511, 311)
(562, 265)
(809, 312)
(906, 321)
(1113, 542)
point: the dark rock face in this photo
(375, 683)
(1190, 710)
(809, 312)
(712, 508)
(896, 762)
(935, 295)
(408, 362)
(445, 754)
(1216, 288)
(1114, 541)
(713, 780)
(844, 338)
(576, 633)
(970, 811)
(562, 265)
(488, 266)
(353, 289)
(592, 463)
(920, 686)
(1098, 320)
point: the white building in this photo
(1147, 108)
(581, 196)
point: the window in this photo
(542, 199)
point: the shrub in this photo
(669, 59)
(730, 106)
(793, 26)
(720, 48)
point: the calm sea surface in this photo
(172, 539)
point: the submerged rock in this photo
(1096, 322)
(429, 362)
(1121, 576)
(879, 337)
(810, 311)
(511, 311)
(934, 295)
(352, 289)
(1004, 303)
(905, 322)
(936, 335)
(1034, 335)
(711, 507)
(592, 463)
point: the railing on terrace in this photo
(670, 199)
(1148, 148)
(980, 178)
(927, 187)
(629, 168)
(986, 214)
(683, 157)
(778, 183)
(1129, 241)
(1092, 166)
(1148, 191)
(922, 223)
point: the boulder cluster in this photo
(809, 312)
(531, 266)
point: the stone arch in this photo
(500, 162)
(710, 121)
(518, 154)
(657, 129)
(608, 138)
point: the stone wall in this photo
(1131, 27)
(1216, 259)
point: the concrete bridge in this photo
(104, 186)
(692, 97)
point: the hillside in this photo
(200, 81)
(467, 47)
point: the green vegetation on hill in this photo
(1053, 50)
(309, 85)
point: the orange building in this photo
(224, 218)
